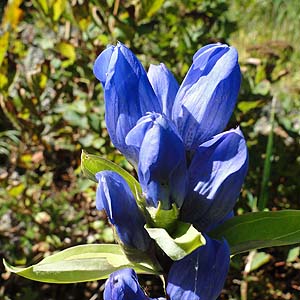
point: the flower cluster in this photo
(173, 135)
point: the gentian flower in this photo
(207, 95)
(115, 197)
(128, 94)
(162, 173)
(124, 285)
(216, 174)
(173, 136)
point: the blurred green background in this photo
(51, 107)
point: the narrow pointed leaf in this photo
(260, 230)
(92, 164)
(79, 264)
(149, 8)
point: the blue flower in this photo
(124, 285)
(114, 196)
(216, 175)
(207, 95)
(162, 167)
(128, 94)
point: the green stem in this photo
(264, 191)
(247, 269)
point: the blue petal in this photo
(102, 63)
(201, 274)
(128, 95)
(207, 96)
(205, 49)
(216, 175)
(114, 196)
(164, 85)
(162, 164)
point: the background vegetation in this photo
(51, 107)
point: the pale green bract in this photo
(92, 164)
(182, 242)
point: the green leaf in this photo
(44, 5)
(92, 164)
(293, 254)
(4, 41)
(262, 88)
(58, 8)
(3, 80)
(245, 106)
(182, 242)
(260, 230)
(67, 50)
(79, 264)
(153, 6)
(259, 259)
(149, 7)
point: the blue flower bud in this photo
(162, 164)
(115, 197)
(128, 94)
(216, 175)
(124, 285)
(207, 96)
